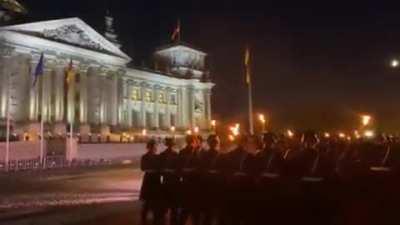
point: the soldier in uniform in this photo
(211, 179)
(190, 189)
(269, 162)
(168, 160)
(240, 172)
(314, 171)
(151, 185)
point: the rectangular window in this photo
(149, 96)
(135, 94)
(172, 99)
(161, 98)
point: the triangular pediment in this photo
(71, 31)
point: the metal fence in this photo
(52, 162)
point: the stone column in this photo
(143, 105)
(130, 104)
(156, 112)
(46, 92)
(181, 109)
(59, 79)
(93, 92)
(83, 93)
(122, 90)
(34, 92)
(114, 99)
(168, 105)
(71, 98)
(207, 110)
(191, 102)
(6, 71)
(104, 94)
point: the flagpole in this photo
(251, 121)
(71, 136)
(180, 30)
(249, 91)
(7, 155)
(41, 140)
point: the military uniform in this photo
(168, 160)
(240, 173)
(149, 192)
(190, 188)
(212, 181)
(269, 185)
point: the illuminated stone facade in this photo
(104, 92)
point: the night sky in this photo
(315, 65)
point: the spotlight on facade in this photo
(189, 132)
(327, 135)
(342, 135)
(144, 132)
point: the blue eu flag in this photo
(38, 70)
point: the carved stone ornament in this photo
(72, 34)
(198, 104)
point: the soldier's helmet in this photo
(169, 141)
(213, 140)
(190, 139)
(151, 144)
(269, 138)
(310, 137)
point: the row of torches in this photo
(234, 130)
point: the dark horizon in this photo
(314, 66)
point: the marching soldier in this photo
(168, 160)
(211, 177)
(188, 164)
(240, 180)
(149, 164)
(270, 163)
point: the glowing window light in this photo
(144, 132)
(327, 135)
(342, 135)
